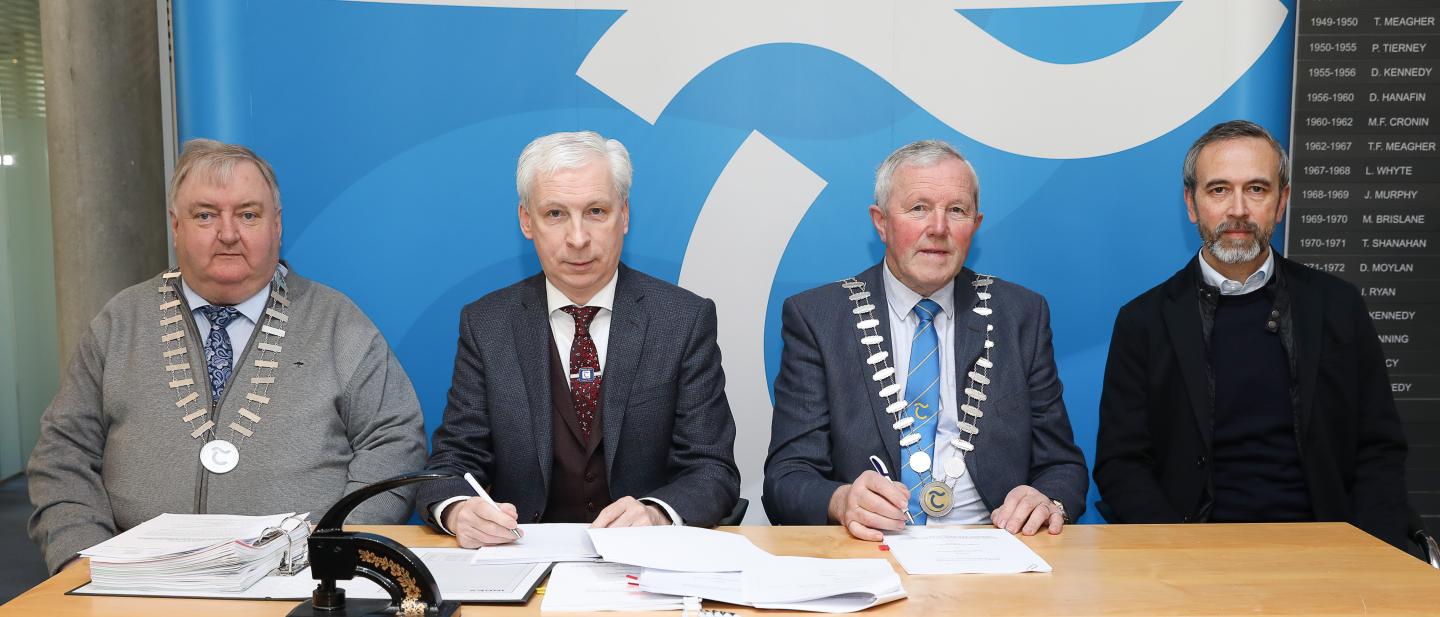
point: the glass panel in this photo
(29, 360)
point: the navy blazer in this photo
(1156, 413)
(829, 418)
(668, 431)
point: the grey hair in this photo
(923, 153)
(215, 161)
(556, 151)
(1234, 129)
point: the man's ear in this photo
(877, 218)
(526, 224)
(1190, 206)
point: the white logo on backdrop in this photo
(947, 65)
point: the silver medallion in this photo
(219, 456)
(955, 467)
(920, 462)
(936, 499)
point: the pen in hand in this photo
(479, 490)
(879, 466)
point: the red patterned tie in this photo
(584, 367)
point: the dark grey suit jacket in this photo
(829, 417)
(668, 432)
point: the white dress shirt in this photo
(562, 328)
(968, 507)
(1236, 288)
(562, 324)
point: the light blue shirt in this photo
(968, 507)
(1236, 288)
(238, 329)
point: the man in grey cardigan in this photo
(229, 385)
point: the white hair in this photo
(556, 151)
(923, 153)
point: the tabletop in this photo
(1110, 570)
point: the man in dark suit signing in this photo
(1247, 387)
(551, 406)
(944, 375)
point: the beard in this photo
(1215, 243)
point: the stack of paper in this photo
(584, 587)
(672, 547)
(788, 583)
(540, 543)
(198, 552)
(727, 567)
(457, 577)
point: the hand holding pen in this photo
(479, 521)
(879, 466)
(871, 505)
(480, 490)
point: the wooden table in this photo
(1291, 569)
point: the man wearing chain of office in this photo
(919, 392)
(229, 385)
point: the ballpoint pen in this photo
(879, 466)
(479, 490)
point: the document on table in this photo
(823, 585)
(942, 550)
(583, 587)
(788, 583)
(683, 549)
(543, 542)
(458, 578)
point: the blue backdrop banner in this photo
(755, 128)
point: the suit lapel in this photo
(627, 340)
(533, 344)
(875, 284)
(1182, 320)
(1307, 334)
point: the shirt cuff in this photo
(439, 512)
(669, 511)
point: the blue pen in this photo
(879, 466)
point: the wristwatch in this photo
(1061, 508)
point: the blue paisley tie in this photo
(219, 355)
(922, 389)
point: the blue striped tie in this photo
(922, 390)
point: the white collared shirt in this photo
(1228, 287)
(969, 508)
(562, 328)
(562, 325)
(238, 329)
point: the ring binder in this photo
(290, 563)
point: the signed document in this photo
(948, 550)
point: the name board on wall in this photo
(1366, 189)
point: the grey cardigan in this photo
(114, 452)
